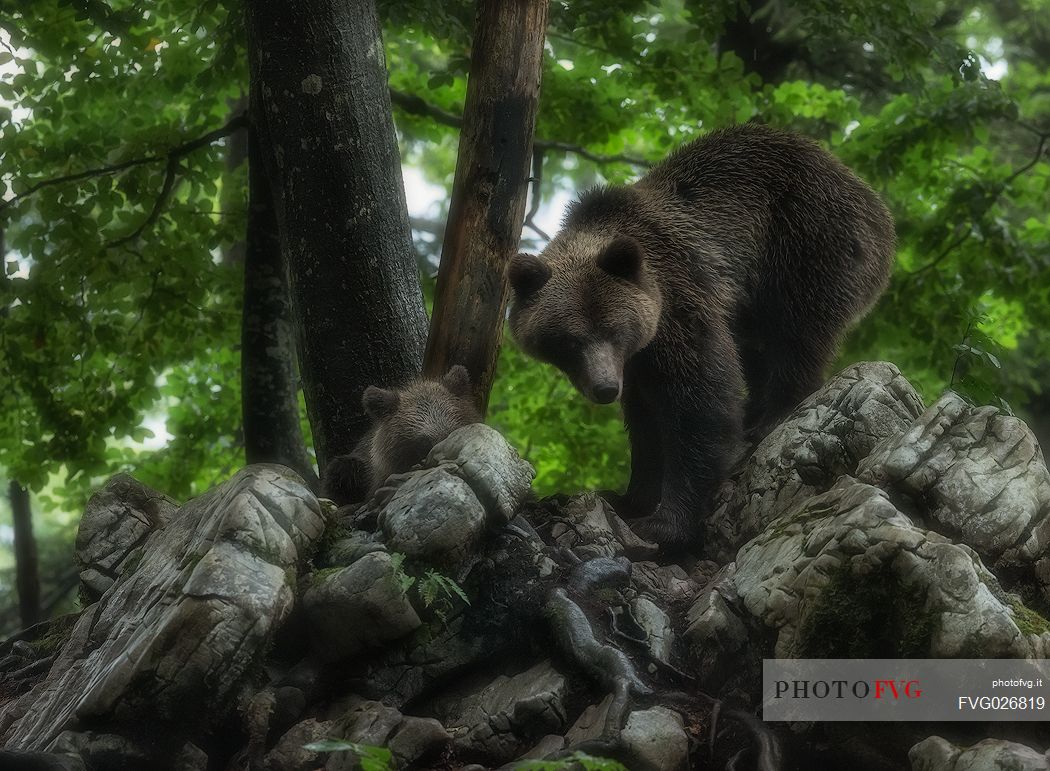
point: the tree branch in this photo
(565, 147)
(1031, 163)
(537, 184)
(177, 152)
(940, 257)
(1043, 137)
(414, 105)
(170, 172)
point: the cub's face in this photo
(409, 421)
(586, 305)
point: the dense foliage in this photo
(125, 203)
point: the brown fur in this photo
(708, 296)
(407, 423)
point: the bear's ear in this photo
(457, 380)
(379, 402)
(622, 258)
(527, 274)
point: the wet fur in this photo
(757, 250)
(406, 424)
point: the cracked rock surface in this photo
(974, 473)
(357, 607)
(117, 521)
(492, 721)
(181, 629)
(937, 754)
(825, 437)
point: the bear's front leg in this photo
(703, 390)
(644, 431)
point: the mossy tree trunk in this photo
(269, 382)
(327, 139)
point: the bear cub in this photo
(406, 424)
(708, 297)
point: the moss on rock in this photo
(867, 616)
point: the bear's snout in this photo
(602, 373)
(606, 393)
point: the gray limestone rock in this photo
(434, 517)
(972, 473)
(715, 632)
(667, 583)
(417, 737)
(657, 738)
(498, 721)
(178, 634)
(356, 607)
(591, 528)
(117, 523)
(815, 571)
(825, 437)
(479, 455)
(290, 752)
(656, 624)
(591, 722)
(937, 754)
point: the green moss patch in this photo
(867, 616)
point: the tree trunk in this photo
(236, 154)
(488, 196)
(327, 138)
(27, 573)
(269, 392)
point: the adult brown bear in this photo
(737, 261)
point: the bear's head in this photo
(587, 304)
(409, 421)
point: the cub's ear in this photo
(527, 274)
(622, 258)
(379, 402)
(457, 380)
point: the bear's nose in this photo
(604, 393)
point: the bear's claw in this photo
(666, 532)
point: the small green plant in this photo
(435, 589)
(372, 758)
(404, 580)
(571, 763)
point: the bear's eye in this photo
(560, 343)
(561, 350)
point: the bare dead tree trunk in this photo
(27, 572)
(269, 383)
(488, 196)
(327, 138)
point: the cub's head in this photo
(586, 305)
(409, 421)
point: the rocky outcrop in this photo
(937, 754)
(175, 635)
(117, 522)
(452, 620)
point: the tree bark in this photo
(327, 138)
(236, 154)
(27, 573)
(488, 195)
(269, 384)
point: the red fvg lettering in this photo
(910, 688)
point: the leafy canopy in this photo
(120, 293)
